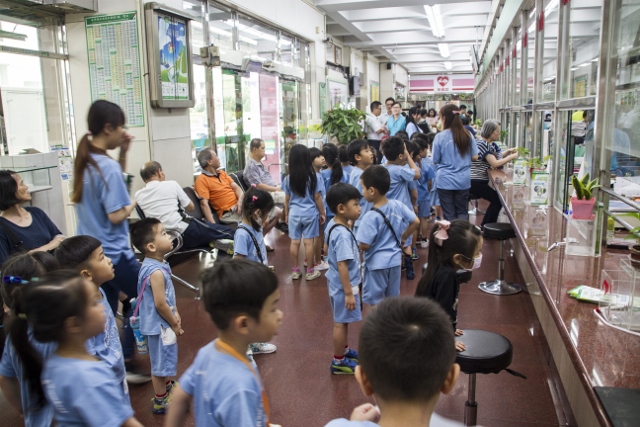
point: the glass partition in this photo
(518, 67)
(549, 36)
(257, 39)
(221, 27)
(581, 26)
(531, 53)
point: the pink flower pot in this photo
(582, 209)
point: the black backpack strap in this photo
(386, 221)
(341, 225)
(18, 244)
(255, 242)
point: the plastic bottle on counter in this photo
(611, 228)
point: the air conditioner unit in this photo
(74, 6)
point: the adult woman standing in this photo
(412, 121)
(102, 201)
(432, 117)
(23, 229)
(480, 169)
(453, 150)
(397, 121)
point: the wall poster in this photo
(114, 63)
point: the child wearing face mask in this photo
(453, 246)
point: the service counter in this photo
(586, 352)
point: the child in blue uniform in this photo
(249, 243)
(319, 163)
(64, 308)
(381, 235)
(241, 296)
(425, 185)
(411, 330)
(334, 173)
(22, 388)
(343, 277)
(303, 208)
(159, 318)
(85, 255)
(361, 156)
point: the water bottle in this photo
(611, 228)
(141, 340)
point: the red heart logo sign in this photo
(443, 80)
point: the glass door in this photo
(289, 116)
(269, 124)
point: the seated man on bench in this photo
(167, 201)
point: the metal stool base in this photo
(500, 287)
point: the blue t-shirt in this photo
(225, 392)
(454, 170)
(84, 393)
(400, 176)
(150, 319)
(302, 206)
(106, 346)
(384, 251)
(11, 367)
(393, 126)
(436, 421)
(99, 200)
(426, 174)
(354, 180)
(40, 232)
(243, 243)
(342, 247)
(346, 170)
(325, 176)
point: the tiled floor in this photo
(301, 390)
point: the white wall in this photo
(165, 136)
(387, 86)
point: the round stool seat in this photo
(486, 353)
(499, 231)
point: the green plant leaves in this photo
(343, 123)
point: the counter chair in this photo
(486, 353)
(499, 231)
(238, 178)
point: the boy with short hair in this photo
(382, 234)
(402, 171)
(361, 156)
(343, 276)
(411, 330)
(425, 184)
(160, 321)
(241, 296)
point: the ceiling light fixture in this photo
(448, 65)
(435, 20)
(444, 50)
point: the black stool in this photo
(486, 353)
(499, 231)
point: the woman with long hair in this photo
(453, 150)
(480, 169)
(432, 117)
(412, 121)
(103, 203)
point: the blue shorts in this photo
(380, 284)
(435, 199)
(307, 226)
(164, 358)
(424, 208)
(340, 312)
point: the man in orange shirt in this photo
(217, 189)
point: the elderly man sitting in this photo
(257, 175)
(224, 195)
(166, 201)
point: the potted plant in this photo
(583, 202)
(343, 123)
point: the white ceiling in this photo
(399, 31)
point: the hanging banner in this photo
(443, 84)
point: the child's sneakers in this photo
(312, 275)
(262, 348)
(171, 384)
(351, 354)
(295, 273)
(424, 243)
(160, 405)
(345, 366)
(224, 245)
(324, 265)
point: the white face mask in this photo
(477, 262)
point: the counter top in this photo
(601, 355)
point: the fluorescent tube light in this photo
(448, 65)
(247, 40)
(435, 20)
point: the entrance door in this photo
(269, 118)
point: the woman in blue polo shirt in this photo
(397, 121)
(453, 150)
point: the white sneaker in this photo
(312, 276)
(324, 265)
(262, 348)
(424, 244)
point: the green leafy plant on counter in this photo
(343, 123)
(584, 188)
(522, 151)
(479, 123)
